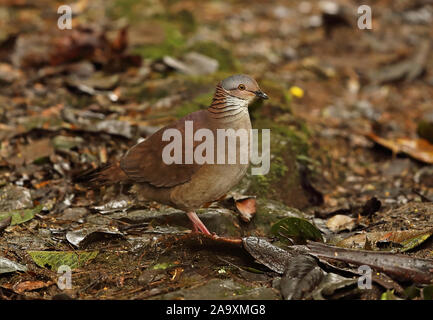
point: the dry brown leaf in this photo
(403, 238)
(340, 222)
(24, 286)
(419, 149)
(246, 208)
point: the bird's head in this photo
(242, 87)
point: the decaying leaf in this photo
(7, 266)
(330, 284)
(413, 292)
(14, 197)
(20, 216)
(34, 151)
(65, 142)
(246, 208)
(297, 229)
(120, 204)
(30, 286)
(389, 295)
(387, 240)
(55, 259)
(81, 237)
(244, 205)
(5, 222)
(163, 266)
(419, 149)
(340, 222)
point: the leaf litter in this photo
(75, 100)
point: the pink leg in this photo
(197, 223)
(194, 228)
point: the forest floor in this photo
(349, 106)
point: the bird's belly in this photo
(208, 184)
(212, 181)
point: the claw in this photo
(198, 225)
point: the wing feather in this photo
(144, 163)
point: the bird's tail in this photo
(108, 175)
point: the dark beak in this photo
(261, 94)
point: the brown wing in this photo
(143, 162)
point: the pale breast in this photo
(212, 181)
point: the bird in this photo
(182, 185)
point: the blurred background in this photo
(343, 101)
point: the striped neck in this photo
(227, 106)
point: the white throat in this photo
(236, 102)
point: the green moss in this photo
(199, 102)
(171, 45)
(282, 182)
(184, 19)
(175, 25)
(263, 183)
(130, 9)
(291, 138)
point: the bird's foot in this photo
(198, 225)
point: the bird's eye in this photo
(241, 87)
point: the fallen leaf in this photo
(340, 222)
(246, 208)
(20, 216)
(330, 284)
(65, 143)
(163, 266)
(55, 259)
(297, 229)
(5, 222)
(419, 149)
(30, 286)
(391, 240)
(13, 197)
(7, 266)
(82, 237)
(36, 150)
(389, 295)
